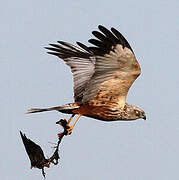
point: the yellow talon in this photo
(69, 130)
(65, 124)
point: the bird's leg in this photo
(66, 125)
(70, 128)
(68, 122)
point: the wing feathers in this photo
(107, 40)
(84, 47)
(99, 36)
(92, 67)
(80, 61)
(122, 39)
(114, 67)
(108, 34)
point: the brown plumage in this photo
(102, 77)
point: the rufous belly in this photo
(98, 112)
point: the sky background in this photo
(135, 150)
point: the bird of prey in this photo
(102, 74)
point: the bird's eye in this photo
(137, 112)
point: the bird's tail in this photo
(67, 108)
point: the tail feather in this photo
(35, 110)
(64, 109)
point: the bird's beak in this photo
(144, 117)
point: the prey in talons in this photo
(66, 125)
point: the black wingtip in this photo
(83, 46)
(125, 43)
(60, 42)
(100, 26)
(103, 29)
(50, 48)
(112, 29)
(52, 53)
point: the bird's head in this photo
(135, 112)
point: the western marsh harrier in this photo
(102, 77)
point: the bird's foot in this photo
(60, 135)
(68, 130)
(66, 126)
(47, 165)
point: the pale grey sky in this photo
(138, 150)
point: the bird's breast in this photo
(105, 113)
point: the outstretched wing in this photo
(116, 68)
(104, 72)
(81, 62)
